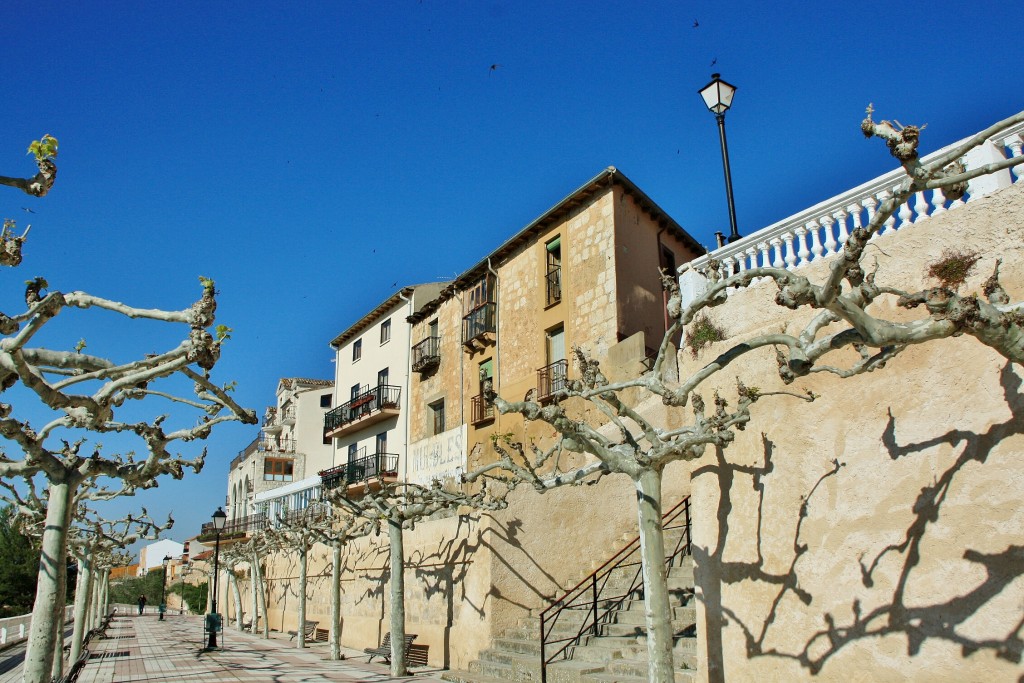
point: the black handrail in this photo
(588, 593)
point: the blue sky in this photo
(311, 157)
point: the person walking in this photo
(142, 604)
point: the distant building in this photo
(152, 555)
(289, 448)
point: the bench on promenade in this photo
(308, 629)
(384, 651)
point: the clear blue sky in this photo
(312, 156)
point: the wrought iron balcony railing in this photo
(480, 410)
(478, 322)
(372, 400)
(376, 466)
(426, 355)
(554, 284)
(247, 524)
(551, 379)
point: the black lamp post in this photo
(163, 587)
(718, 97)
(220, 518)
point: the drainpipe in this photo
(408, 388)
(497, 333)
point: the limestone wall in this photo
(875, 534)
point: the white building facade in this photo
(290, 447)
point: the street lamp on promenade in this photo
(220, 518)
(163, 587)
(718, 97)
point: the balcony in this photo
(270, 423)
(478, 326)
(480, 410)
(362, 471)
(369, 407)
(287, 416)
(315, 512)
(551, 380)
(426, 355)
(235, 528)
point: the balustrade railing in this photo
(822, 230)
(380, 397)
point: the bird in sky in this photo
(714, 61)
(25, 208)
(494, 67)
(696, 23)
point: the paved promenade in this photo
(146, 649)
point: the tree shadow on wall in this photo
(942, 620)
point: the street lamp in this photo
(163, 587)
(184, 570)
(220, 518)
(718, 97)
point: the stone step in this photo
(529, 646)
(682, 618)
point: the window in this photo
(551, 378)
(436, 414)
(486, 372)
(382, 377)
(382, 442)
(325, 400)
(354, 391)
(432, 325)
(277, 469)
(385, 331)
(554, 271)
(357, 350)
(353, 450)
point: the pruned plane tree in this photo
(56, 404)
(626, 442)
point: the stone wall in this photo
(874, 534)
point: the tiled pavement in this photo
(146, 649)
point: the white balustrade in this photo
(785, 244)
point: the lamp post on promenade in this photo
(718, 97)
(163, 587)
(220, 518)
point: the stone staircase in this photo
(619, 653)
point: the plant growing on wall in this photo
(628, 443)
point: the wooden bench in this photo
(308, 629)
(322, 635)
(384, 651)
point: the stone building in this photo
(585, 273)
(289, 449)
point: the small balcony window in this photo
(553, 276)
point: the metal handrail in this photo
(588, 593)
(480, 409)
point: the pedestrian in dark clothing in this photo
(142, 603)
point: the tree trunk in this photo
(253, 597)
(397, 598)
(105, 595)
(83, 595)
(336, 602)
(236, 593)
(47, 616)
(94, 603)
(257, 586)
(300, 638)
(657, 608)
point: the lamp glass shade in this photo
(220, 518)
(166, 560)
(718, 94)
